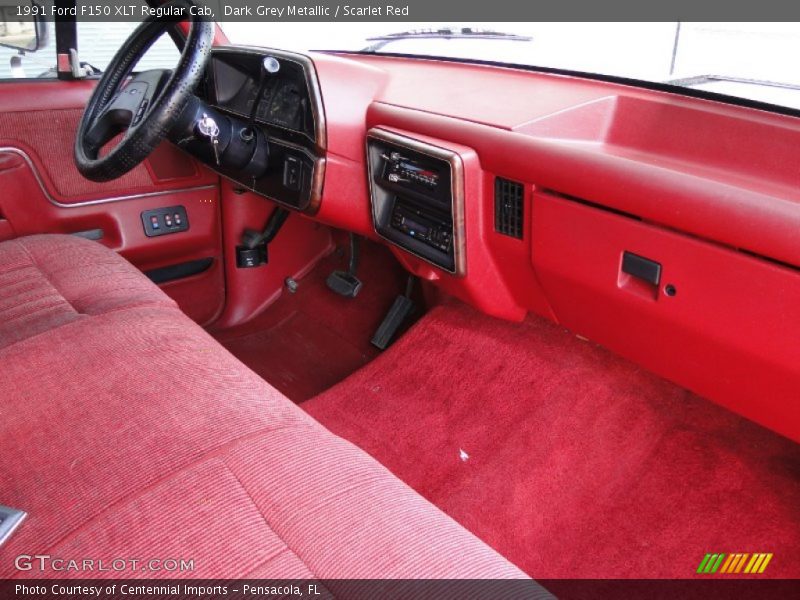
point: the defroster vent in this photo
(508, 207)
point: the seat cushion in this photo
(127, 431)
(50, 280)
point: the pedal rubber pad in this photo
(398, 313)
(344, 284)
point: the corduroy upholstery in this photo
(127, 431)
(47, 281)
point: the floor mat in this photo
(567, 459)
(310, 340)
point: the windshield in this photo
(756, 61)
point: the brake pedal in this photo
(345, 283)
(401, 309)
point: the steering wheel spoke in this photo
(142, 91)
(102, 131)
(125, 110)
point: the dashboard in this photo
(237, 84)
(519, 191)
(257, 95)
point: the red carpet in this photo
(310, 340)
(580, 464)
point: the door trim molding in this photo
(26, 157)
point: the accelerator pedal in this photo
(345, 283)
(401, 309)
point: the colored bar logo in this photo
(735, 562)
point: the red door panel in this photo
(44, 193)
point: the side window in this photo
(33, 55)
(26, 53)
(98, 42)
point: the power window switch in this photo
(164, 221)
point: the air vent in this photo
(508, 207)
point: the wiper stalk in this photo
(444, 33)
(703, 79)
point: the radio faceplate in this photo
(417, 197)
(414, 222)
(417, 175)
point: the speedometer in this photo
(286, 107)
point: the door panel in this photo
(47, 137)
(44, 193)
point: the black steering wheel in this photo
(148, 106)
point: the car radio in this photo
(420, 175)
(404, 171)
(417, 197)
(415, 223)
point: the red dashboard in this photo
(705, 190)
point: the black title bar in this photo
(449, 11)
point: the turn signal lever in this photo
(222, 141)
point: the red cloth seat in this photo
(47, 281)
(127, 431)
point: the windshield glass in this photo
(756, 61)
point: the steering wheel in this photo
(148, 106)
